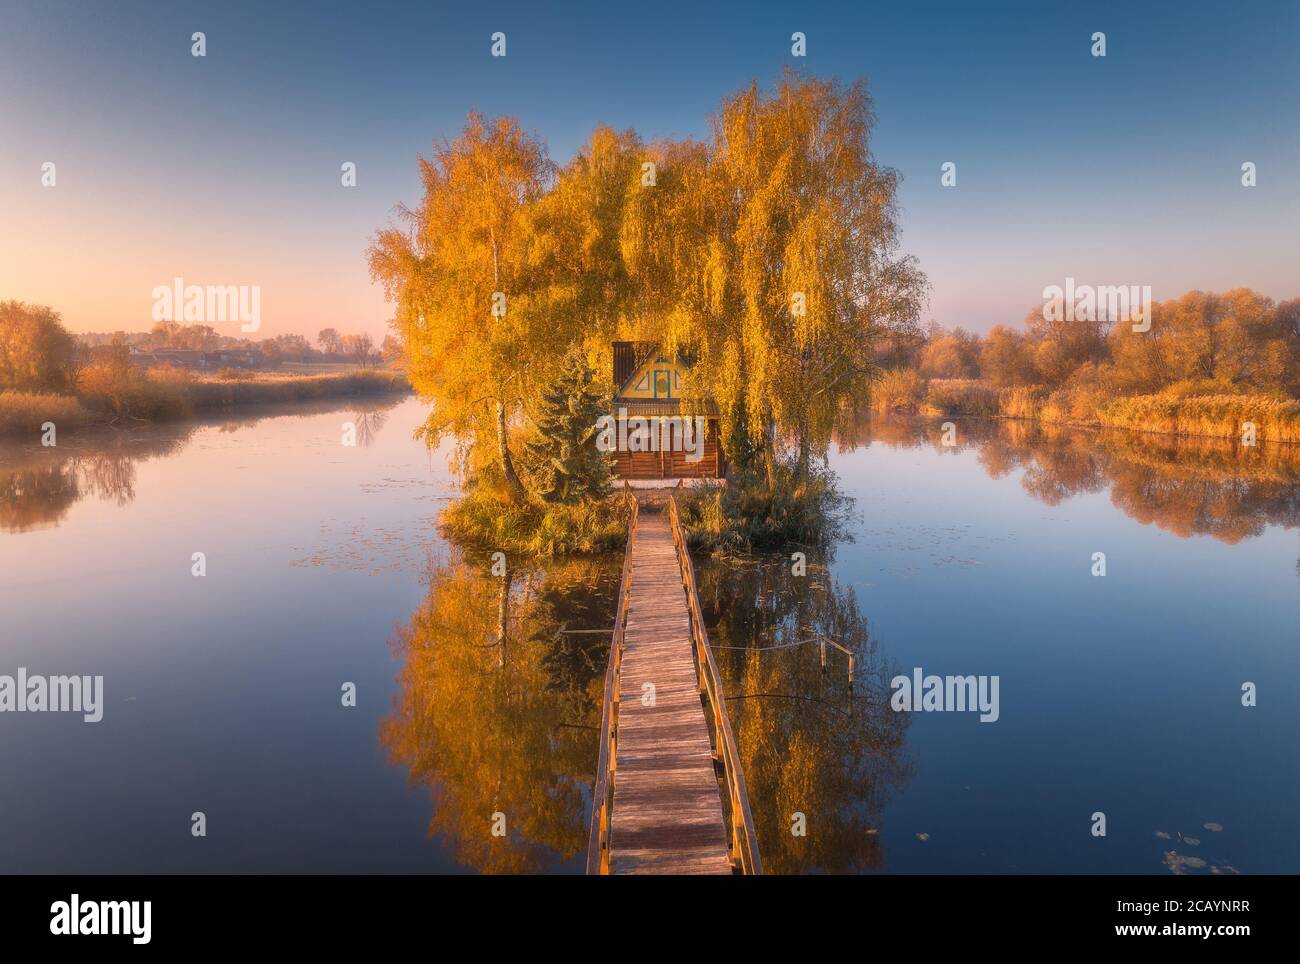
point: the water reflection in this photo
(38, 485)
(38, 488)
(369, 423)
(500, 700)
(499, 707)
(499, 693)
(809, 742)
(1186, 486)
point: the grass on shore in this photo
(24, 413)
(738, 518)
(1186, 409)
(959, 396)
(486, 519)
(167, 394)
(1219, 416)
(721, 519)
(264, 389)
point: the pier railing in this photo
(744, 840)
(602, 798)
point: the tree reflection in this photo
(1205, 486)
(38, 486)
(497, 720)
(37, 495)
(808, 743)
(1184, 485)
(369, 422)
(499, 706)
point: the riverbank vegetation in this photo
(1208, 364)
(765, 256)
(750, 515)
(119, 397)
(488, 519)
(48, 375)
(23, 413)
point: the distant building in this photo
(196, 360)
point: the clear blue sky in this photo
(226, 169)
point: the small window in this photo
(663, 383)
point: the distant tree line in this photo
(1238, 341)
(37, 354)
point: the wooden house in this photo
(661, 431)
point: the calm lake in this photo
(1119, 694)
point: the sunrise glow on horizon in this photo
(225, 169)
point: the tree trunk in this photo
(805, 455)
(503, 452)
(769, 454)
(503, 615)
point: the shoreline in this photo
(1222, 416)
(1094, 426)
(25, 414)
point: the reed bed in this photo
(24, 413)
(1184, 411)
(264, 390)
(1216, 416)
(899, 390)
(960, 396)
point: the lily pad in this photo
(1178, 864)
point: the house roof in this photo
(628, 357)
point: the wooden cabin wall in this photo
(673, 465)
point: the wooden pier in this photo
(670, 797)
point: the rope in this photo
(767, 649)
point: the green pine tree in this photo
(566, 464)
(737, 443)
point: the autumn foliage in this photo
(766, 254)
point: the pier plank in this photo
(667, 814)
